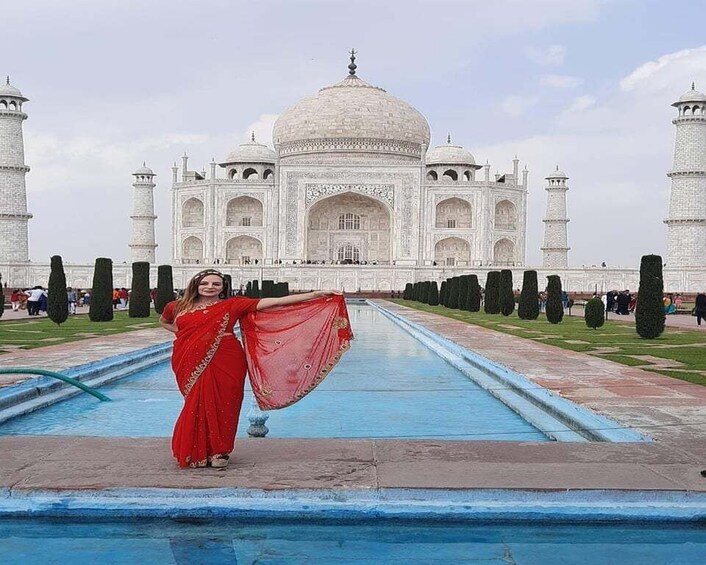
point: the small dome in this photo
(692, 95)
(144, 170)
(450, 155)
(557, 174)
(251, 152)
(8, 90)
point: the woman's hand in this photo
(318, 293)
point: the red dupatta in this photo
(291, 349)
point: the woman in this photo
(290, 350)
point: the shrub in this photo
(454, 293)
(139, 305)
(463, 285)
(165, 288)
(2, 302)
(433, 298)
(506, 298)
(228, 285)
(282, 289)
(555, 309)
(594, 313)
(442, 293)
(492, 284)
(528, 308)
(256, 289)
(407, 294)
(473, 303)
(268, 289)
(101, 308)
(649, 312)
(57, 300)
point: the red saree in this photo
(290, 349)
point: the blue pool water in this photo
(190, 542)
(388, 386)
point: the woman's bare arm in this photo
(171, 327)
(293, 298)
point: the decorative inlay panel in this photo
(384, 192)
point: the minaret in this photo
(556, 243)
(14, 241)
(143, 244)
(686, 223)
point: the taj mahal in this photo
(352, 196)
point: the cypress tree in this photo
(268, 288)
(473, 294)
(555, 309)
(463, 286)
(492, 284)
(139, 305)
(407, 294)
(284, 288)
(453, 293)
(2, 302)
(228, 282)
(594, 313)
(528, 308)
(506, 297)
(433, 298)
(57, 300)
(248, 289)
(256, 289)
(101, 308)
(165, 288)
(649, 312)
(442, 293)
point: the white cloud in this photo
(550, 56)
(516, 106)
(560, 81)
(262, 128)
(662, 73)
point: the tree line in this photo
(463, 292)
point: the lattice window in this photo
(349, 222)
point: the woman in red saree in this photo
(292, 342)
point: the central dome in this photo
(351, 117)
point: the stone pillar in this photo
(142, 245)
(686, 223)
(14, 218)
(555, 248)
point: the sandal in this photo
(220, 461)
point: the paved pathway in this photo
(673, 412)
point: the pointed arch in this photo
(505, 215)
(244, 211)
(243, 250)
(454, 213)
(452, 251)
(504, 252)
(192, 213)
(192, 250)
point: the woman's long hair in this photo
(191, 294)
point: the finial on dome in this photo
(252, 137)
(557, 168)
(448, 139)
(352, 67)
(693, 85)
(7, 79)
(144, 163)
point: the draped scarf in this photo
(291, 349)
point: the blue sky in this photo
(585, 84)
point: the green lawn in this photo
(683, 351)
(40, 332)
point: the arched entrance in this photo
(453, 213)
(348, 228)
(244, 250)
(452, 251)
(504, 253)
(192, 250)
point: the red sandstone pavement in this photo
(671, 411)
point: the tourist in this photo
(16, 299)
(33, 297)
(71, 297)
(87, 298)
(678, 301)
(700, 307)
(289, 351)
(116, 298)
(43, 305)
(123, 296)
